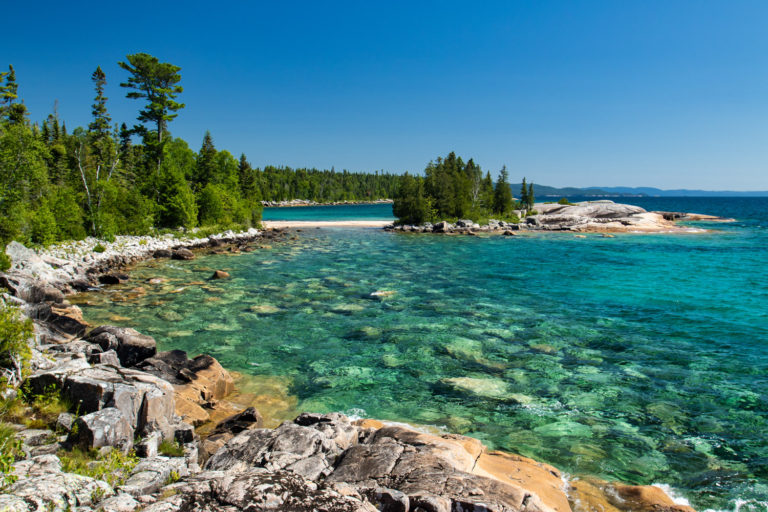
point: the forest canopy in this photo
(452, 189)
(112, 178)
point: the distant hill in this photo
(546, 191)
(681, 192)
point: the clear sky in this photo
(570, 93)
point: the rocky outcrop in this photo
(105, 427)
(131, 346)
(588, 216)
(256, 490)
(227, 429)
(198, 383)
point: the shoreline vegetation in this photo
(322, 458)
(113, 178)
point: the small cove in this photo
(637, 358)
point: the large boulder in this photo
(61, 319)
(151, 474)
(308, 447)
(225, 430)
(146, 401)
(182, 254)
(255, 490)
(106, 427)
(131, 346)
(42, 486)
(198, 383)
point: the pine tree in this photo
(9, 90)
(157, 83)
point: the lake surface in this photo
(640, 358)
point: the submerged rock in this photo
(183, 254)
(220, 274)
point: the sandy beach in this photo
(325, 224)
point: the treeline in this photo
(452, 189)
(107, 179)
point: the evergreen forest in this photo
(452, 189)
(134, 177)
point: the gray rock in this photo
(148, 446)
(121, 503)
(62, 319)
(36, 466)
(183, 254)
(59, 492)
(429, 503)
(162, 253)
(109, 357)
(107, 427)
(64, 422)
(254, 490)
(151, 474)
(442, 227)
(309, 449)
(184, 433)
(387, 500)
(36, 437)
(131, 346)
(114, 278)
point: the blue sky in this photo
(570, 93)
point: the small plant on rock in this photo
(99, 248)
(171, 449)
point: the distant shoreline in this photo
(297, 203)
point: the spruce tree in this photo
(206, 162)
(502, 197)
(524, 194)
(530, 196)
(99, 126)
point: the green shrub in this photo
(114, 468)
(15, 333)
(99, 248)
(5, 261)
(565, 201)
(171, 449)
(10, 450)
(173, 478)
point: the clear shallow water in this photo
(642, 358)
(338, 212)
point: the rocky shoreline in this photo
(585, 217)
(127, 396)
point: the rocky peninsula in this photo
(127, 397)
(602, 216)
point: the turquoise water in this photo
(641, 358)
(339, 212)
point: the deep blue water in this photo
(641, 358)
